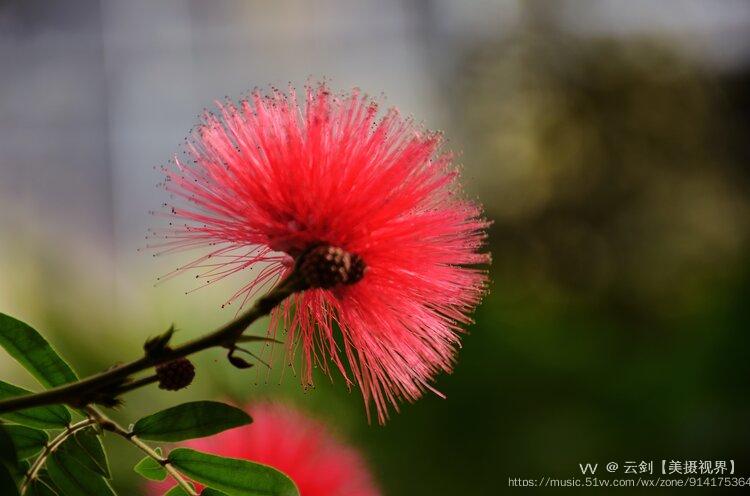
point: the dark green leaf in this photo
(26, 440)
(9, 467)
(86, 448)
(19, 471)
(44, 417)
(212, 492)
(42, 488)
(177, 491)
(44, 477)
(34, 352)
(189, 421)
(232, 476)
(11, 470)
(91, 443)
(7, 483)
(74, 479)
(8, 454)
(151, 469)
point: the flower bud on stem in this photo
(321, 266)
(72, 393)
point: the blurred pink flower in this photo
(295, 444)
(267, 180)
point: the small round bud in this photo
(176, 374)
(327, 266)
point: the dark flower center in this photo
(326, 266)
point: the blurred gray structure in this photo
(94, 94)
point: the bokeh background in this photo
(608, 141)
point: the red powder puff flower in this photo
(268, 181)
(300, 447)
